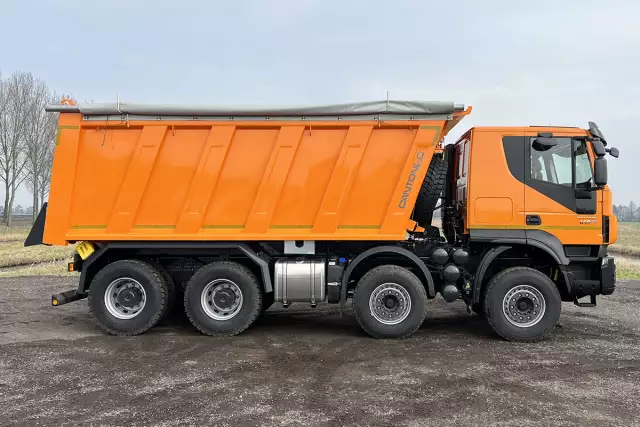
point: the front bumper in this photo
(599, 278)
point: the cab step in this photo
(586, 304)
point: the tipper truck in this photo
(228, 210)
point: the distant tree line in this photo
(27, 139)
(630, 212)
(19, 210)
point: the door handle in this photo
(534, 220)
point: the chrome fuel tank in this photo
(300, 280)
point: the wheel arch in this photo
(425, 274)
(92, 265)
(495, 253)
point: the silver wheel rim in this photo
(125, 298)
(221, 299)
(390, 294)
(523, 306)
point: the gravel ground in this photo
(315, 367)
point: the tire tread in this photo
(430, 191)
(496, 326)
(171, 288)
(157, 278)
(387, 269)
(257, 299)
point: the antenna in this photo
(387, 100)
(118, 102)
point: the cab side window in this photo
(584, 173)
(553, 165)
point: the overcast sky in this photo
(517, 63)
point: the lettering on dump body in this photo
(408, 187)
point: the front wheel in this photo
(522, 304)
(390, 302)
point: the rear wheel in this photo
(171, 288)
(223, 298)
(522, 304)
(128, 297)
(389, 302)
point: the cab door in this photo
(558, 196)
(496, 184)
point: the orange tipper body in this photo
(343, 172)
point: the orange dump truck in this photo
(232, 209)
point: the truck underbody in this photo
(314, 272)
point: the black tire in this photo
(171, 288)
(246, 314)
(510, 279)
(155, 290)
(401, 277)
(430, 191)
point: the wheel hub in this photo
(221, 299)
(523, 306)
(125, 298)
(129, 297)
(390, 303)
(224, 298)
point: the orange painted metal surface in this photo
(495, 199)
(237, 180)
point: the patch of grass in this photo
(15, 254)
(627, 268)
(14, 233)
(628, 242)
(53, 268)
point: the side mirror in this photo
(613, 152)
(598, 147)
(600, 171)
(543, 143)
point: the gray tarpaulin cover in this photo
(348, 109)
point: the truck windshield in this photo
(555, 164)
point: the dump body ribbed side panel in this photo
(235, 180)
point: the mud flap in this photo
(37, 230)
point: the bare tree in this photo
(15, 94)
(39, 137)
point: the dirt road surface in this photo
(315, 368)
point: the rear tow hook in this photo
(66, 297)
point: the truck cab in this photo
(534, 196)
